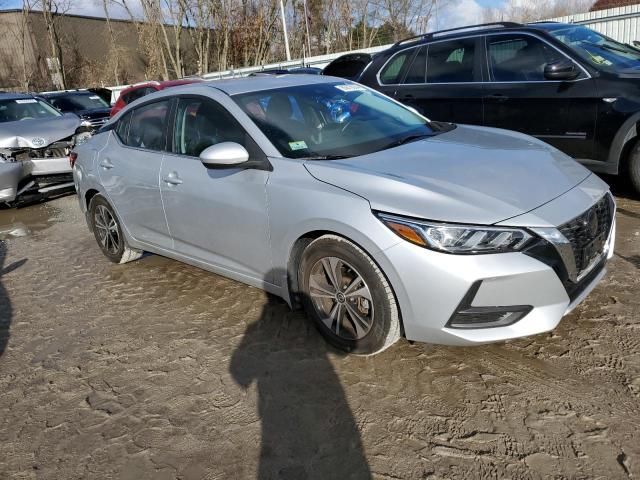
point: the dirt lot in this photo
(159, 370)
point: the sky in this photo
(450, 13)
(456, 13)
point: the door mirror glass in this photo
(561, 70)
(224, 155)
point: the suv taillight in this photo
(73, 156)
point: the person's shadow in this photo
(5, 305)
(308, 429)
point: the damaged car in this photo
(35, 141)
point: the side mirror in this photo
(224, 155)
(561, 70)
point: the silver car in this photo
(379, 222)
(35, 141)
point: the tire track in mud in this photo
(555, 380)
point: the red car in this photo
(138, 90)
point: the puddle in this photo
(22, 222)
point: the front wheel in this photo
(108, 232)
(347, 296)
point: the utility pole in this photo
(284, 29)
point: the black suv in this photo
(563, 83)
(88, 105)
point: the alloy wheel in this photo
(341, 298)
(107, 228)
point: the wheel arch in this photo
(622, 144)
(88, 196)
(295, 255)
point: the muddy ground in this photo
(160, 370)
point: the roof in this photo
(472, 29)
(14, 96)
(66, 93)
(234, 86)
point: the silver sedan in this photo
(377, 221)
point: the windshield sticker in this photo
(94, 97)
(601, 60)
(347, 87)
(27, 100)
(300, 145)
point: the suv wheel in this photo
(106, 228)
(347, 296)
(634, 167)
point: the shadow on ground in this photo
(5, 304)
(308, 429)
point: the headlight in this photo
(460, 239)
(81, 138)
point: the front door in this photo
(519, 97)
(218, 217)
(129, 169)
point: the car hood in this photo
(467, 175)
(37, 133)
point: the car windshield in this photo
(77, 102)
(18, 109)
(332, 120)
(597, 49)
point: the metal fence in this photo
(620, 23)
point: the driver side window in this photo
(519, 58)
(201, 123)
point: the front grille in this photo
(97, 122)
(588, 232)
(55, 150)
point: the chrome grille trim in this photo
(585, 228)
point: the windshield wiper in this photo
(611, 48)
(325, 157)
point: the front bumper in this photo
(433, 287)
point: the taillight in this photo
(73, 156)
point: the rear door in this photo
(519, 97)
(444, 81)
(129, 168)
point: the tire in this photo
(362, 317)
(113, 244)
(634, 167)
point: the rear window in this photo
(147, 126)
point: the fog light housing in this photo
(468, 317)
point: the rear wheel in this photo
(347, 296)
(108, 232)
(634, 167)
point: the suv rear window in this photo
(452, 61)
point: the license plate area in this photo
(592, 251)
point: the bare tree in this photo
(52, 11)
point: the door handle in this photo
(498, 97)
(407, 97)
(172, 179)
(106, 164)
